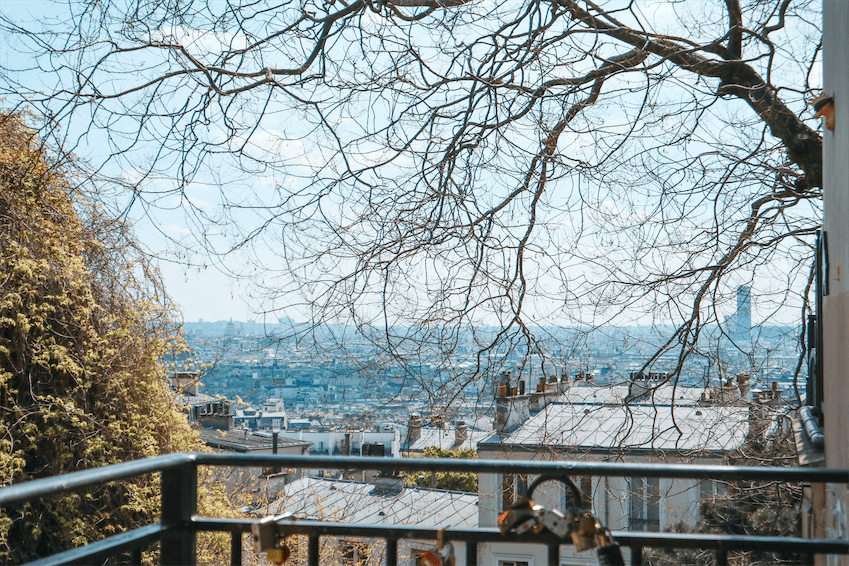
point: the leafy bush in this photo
(82, 334)
(457, 481)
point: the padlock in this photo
(448, 558)
(278, 555)
(430, 558)
(554, 521)
(264, 534)
(267, 540)
(584, 532)
(441, 555)
(608, 553)
(519, 518)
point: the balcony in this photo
(179, 524)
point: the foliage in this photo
(461, 176)
(81, 339)
(457, 481)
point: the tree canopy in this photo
(429, 171)
(82, 336)
(457, 481)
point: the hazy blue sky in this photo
(195, 282)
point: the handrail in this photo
(179, 483)
(492, 534)
(87, 478)
(54, 485)
(105, 548)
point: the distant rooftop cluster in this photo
(648, 419)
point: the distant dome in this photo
(230, 330)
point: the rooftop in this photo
(362, 502)
(633, 427)
(239, 440)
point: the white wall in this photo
(334, 440)
(836, 304)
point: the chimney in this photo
(461, 432)
(186, 383)
(414, 429)
(743, 384)
(386, 484)
(511, 412)
(500, 387)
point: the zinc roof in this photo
(616, 394)
(240, 441)
(360, 502)
(634, 427)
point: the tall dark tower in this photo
(744, 313)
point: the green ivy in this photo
(81, 343)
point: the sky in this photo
(197, 284)
(207, 294)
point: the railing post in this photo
(312, 550)
(391, 552)
(636, 556)
(179, 502)
(554, 554)
(236, 549)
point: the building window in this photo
(513, 488)
(707, 490)
(508, 491)
(521, 486)
(644, 504)
(585, 484)
(511, 559)
(354, 553)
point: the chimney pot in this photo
(461, 433)
(414, 429)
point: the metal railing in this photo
(179, 524)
